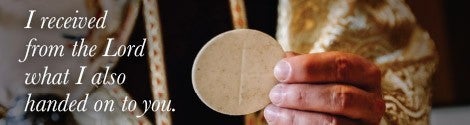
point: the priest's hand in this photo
(326, 88)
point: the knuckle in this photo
(341, 98)
(342, 65)
(375, 73)
(294, 119)
(330, 120)
(288, 116)
(301, 97)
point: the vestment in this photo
(383, 31)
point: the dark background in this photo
(188, 24)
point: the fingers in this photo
(333, 99)
(281, 116)
(334, 88)
(329, 67)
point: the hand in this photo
(326, 88)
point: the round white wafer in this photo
(233, 72)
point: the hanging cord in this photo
(237, 9)
(156, 61)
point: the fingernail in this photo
(270, 113)
(282, 70)
(276, 94)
